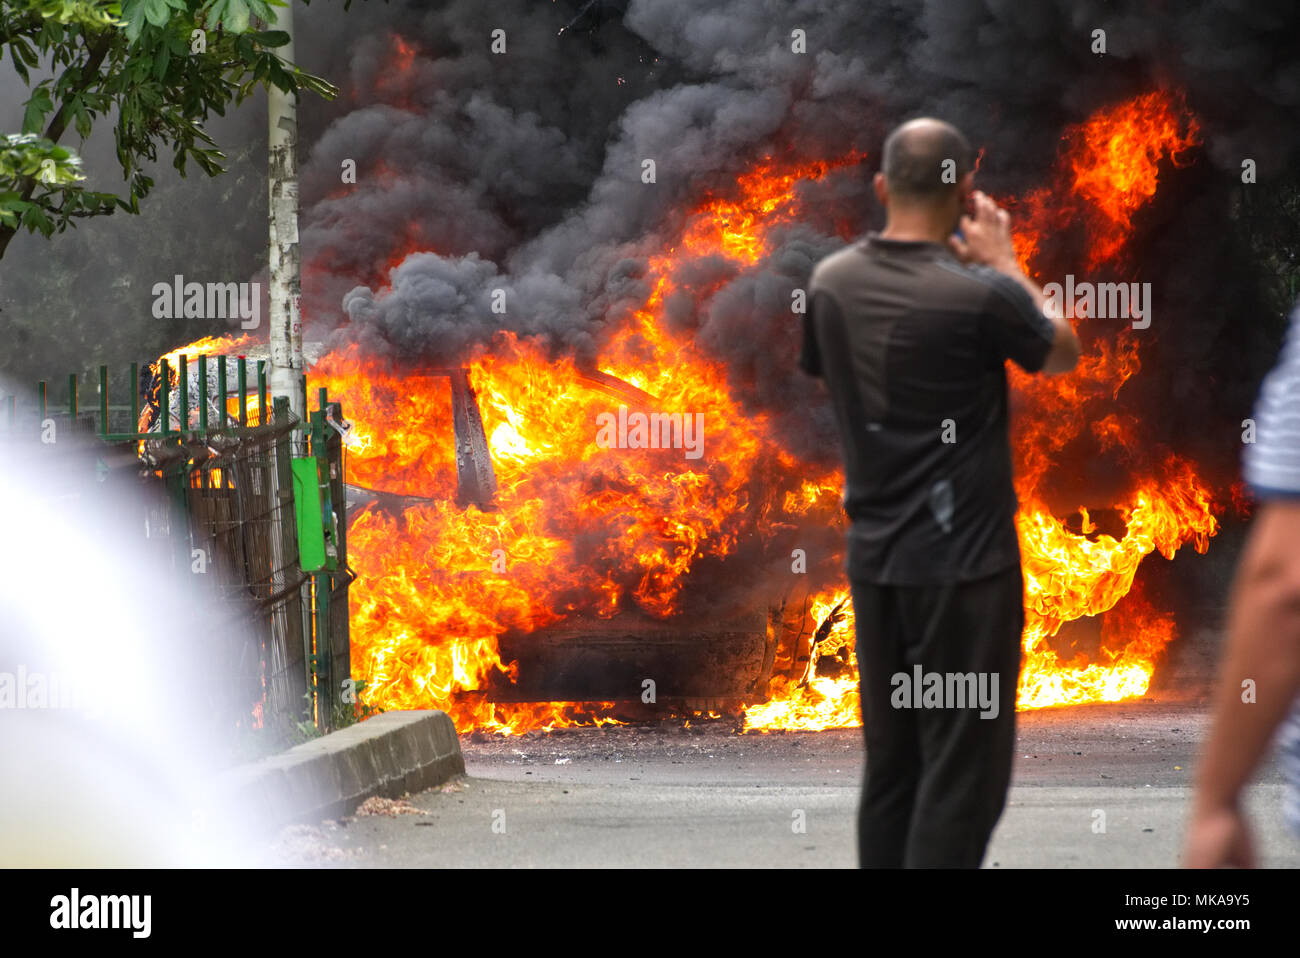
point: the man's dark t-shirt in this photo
(912, 345)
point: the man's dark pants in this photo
(936, 778)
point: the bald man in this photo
(911, 329)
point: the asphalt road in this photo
(672, 796)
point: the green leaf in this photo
(160, 61)
(272, 38)
(157, 94)
(134, 12)
(158, 12)
(81, 118)
(233, 15)
(39, 105)
(35, 220)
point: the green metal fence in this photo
(246, 494)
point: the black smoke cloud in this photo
(465, 151)
(522, 173)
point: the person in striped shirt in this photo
(1260, 677)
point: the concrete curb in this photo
(388, 755)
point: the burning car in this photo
(519, 574)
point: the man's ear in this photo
(878, 184)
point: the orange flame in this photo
(579, 529)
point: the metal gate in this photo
(229, 490)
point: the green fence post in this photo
(321, 583)
(262, 417)
(324, 649)
(103, 401)
(44, 389)
(242, 383)
(203, 396)
(183, 377)
(72, 399)
(297, 655)
(221, 392)
(340, 577)
(175, 474)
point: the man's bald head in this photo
(914, 160)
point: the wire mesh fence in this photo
(213, 496)
(242, 549)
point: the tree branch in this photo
(58, 124)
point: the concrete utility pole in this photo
(285, 263)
